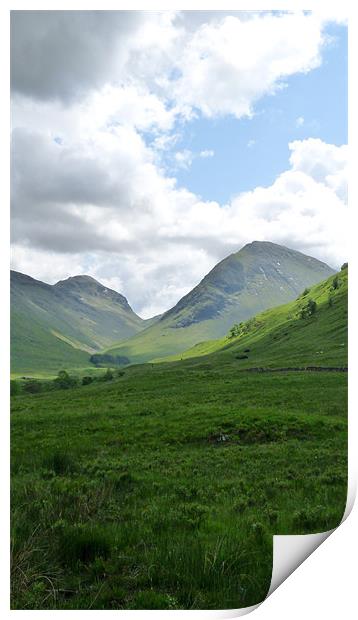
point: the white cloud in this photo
(160, 240)
(227, 65)
(325, 163)
(251, 144)
(183, 159)
(300, 121)
(90, 191)
(159, 64)
(207, 153)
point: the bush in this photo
(344, 266)
(308, 310)
(64, 381)
(234, 331)
(14, 387)
(335, 283)
(242, 357)
(87, 380)
(108, 376)
(33, 387)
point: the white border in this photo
(323, 585)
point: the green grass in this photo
(162, 489)
(279, 337)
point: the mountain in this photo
(259, 276)
(287, 335)
(60, 325)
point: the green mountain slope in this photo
(60, 325)
(260, 276)
(280, 337)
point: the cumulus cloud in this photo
(156, 240)
(228, 65)
(220, 66)
(61, 54)
(100, 100)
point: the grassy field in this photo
(162, 488)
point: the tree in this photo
(234, 331)
(335, 283)
(87, 380)
(312, 307)
(64, 381)
(344, 266)
(308, 310)
(33, 387)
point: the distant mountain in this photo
(259, 276)
(60, 325)
(285, 336)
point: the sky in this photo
(147, 146)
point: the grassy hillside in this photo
(261, 275)
(279, 337)
(36, 350)
(61, 325)
(162, 489)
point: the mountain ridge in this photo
(61, 324)
(56, 325)
(260, 275)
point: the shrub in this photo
(108, 375)
(82, 543)
(87, 380)
(33, 387)
(308, 310)
(335, 283)
(234, 331)
(242, 357)
(64, 381)
(344, 266)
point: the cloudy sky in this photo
(147, 146)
